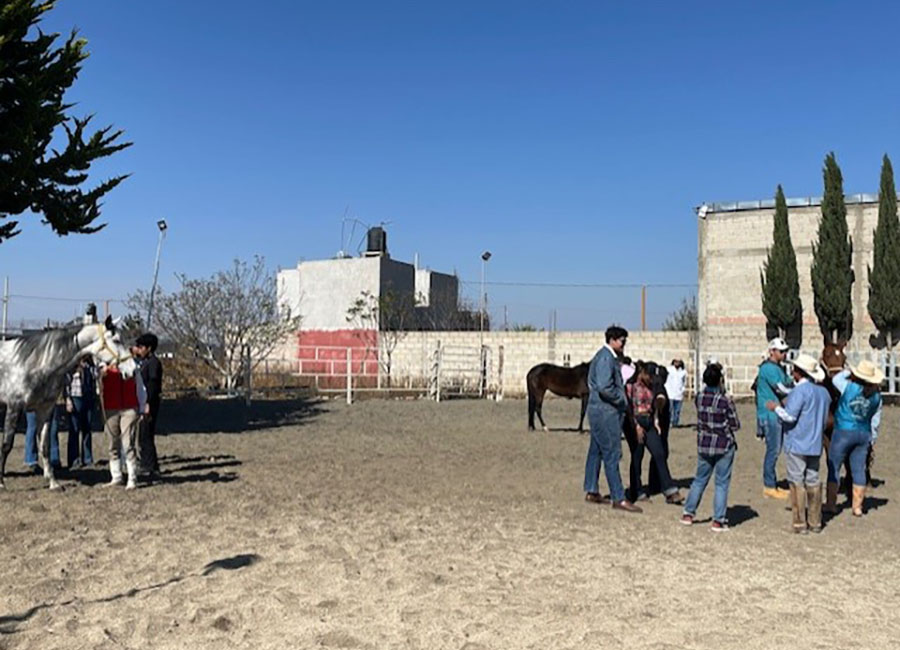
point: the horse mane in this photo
(58, 343)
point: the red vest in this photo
(118, 393)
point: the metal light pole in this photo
(485, 256)
(161, 224)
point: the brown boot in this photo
(831, 490)
(798, 508)
(814, 501)
(859, 495)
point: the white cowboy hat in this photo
(868, 372)
(809, 366)
(779, 343)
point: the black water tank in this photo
(377, 240)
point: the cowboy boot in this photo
(798, 508)
(859, 495)
(814, 499)
(132, 475)
(831, 490)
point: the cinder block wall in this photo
(732, 248)
(414, 353)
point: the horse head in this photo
(103, 342)
(833, 357)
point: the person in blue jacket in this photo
(856, 423)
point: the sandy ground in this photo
(421, 525)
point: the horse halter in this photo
(101, 329)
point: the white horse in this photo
(32, 371)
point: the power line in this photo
(584, 285)
(58, 299)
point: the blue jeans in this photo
(31, 438)
(770, 428)
(80, 428)
(675, 406)
(705, 466)
(606, 445)
(848, 443)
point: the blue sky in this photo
(573, 140)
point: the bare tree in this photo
(391, 315)
(231, 321)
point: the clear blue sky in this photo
(571, 139)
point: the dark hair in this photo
(662, 373)
(614, 332)
(712, 376)
(148, 340)
(626, 361)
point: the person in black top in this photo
(151, 376)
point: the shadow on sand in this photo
(194, 415)
(9, 622)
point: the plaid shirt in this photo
(717, 421)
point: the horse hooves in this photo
(545, 429)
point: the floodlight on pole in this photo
(163, 226)
(485, 256)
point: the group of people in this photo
(640, 402)
(793, 417)
(130, 410)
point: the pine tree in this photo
(34, 77)
(780, 282)
(832, 272)
(884, 274)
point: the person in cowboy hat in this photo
(803, 415)
(771, 384)
(856, 422)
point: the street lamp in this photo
(485, 256)
(163, 226)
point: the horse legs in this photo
(584, 401)
(9, 434)
(531, 402)
(538, 403)
(43, 425)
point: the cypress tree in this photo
(780, 281)
(832, 271)
(884, 274)
(45, 151)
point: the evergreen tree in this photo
(34, 77)
(780, 282)
(884, 274)
(832, 272)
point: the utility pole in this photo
(644, 308)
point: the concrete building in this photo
(733, 239)
(322, 292)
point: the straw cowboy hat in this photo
(868, 372)
(809, 366)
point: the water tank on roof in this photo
(377, 241)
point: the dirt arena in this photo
(410, 524)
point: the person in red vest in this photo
(120, 403)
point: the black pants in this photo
(653, 483)
(654, 444)
(147, 457)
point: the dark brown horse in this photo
(562, 381)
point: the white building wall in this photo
(324, 290)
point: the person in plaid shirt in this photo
(717, 422)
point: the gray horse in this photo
(32, 371)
